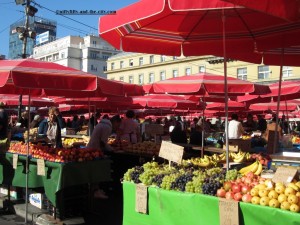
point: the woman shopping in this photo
(129, 129)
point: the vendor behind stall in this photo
(51, 128)
(235, 128)
(250, 125)
(129, 128)
(271, 127)
(102, 131)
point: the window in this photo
(242, 73)
(105, 56)
(130, 79)
(121, 78)
(162, 75)
(202, 69)
(94, 43)
(130, 62)
(93, 54)
(287, 71)
(104, 68)
(188, 71)
(93, 68)
(141, 61)
(55, 56)
(112, 66)
(175, 73)
(151, 59)
(49, 58)
(162, 58)
(141, 78)
(112, 78)
(121, 64)
(263, 72)
(151, 78)
(62, 55)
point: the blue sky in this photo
(10, 13)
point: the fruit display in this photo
(70, 142)
(263, 158)
(55, 154)
(118, 145)
(246, 137)
(215, 159)
(186, 178)
(33, 133)
(255, 168)
(296, 140)
(146, 147)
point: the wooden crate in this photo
(236, 145)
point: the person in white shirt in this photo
(235, 128)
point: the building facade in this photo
(39, 25)
(141, 69)
(88, 53)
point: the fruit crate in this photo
(236, 145)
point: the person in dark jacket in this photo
(178, 135)
(51, 128)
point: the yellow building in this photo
(141, 68)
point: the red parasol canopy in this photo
(194, 27)
(13, 100)
(166, 101)
(286, 9)
(284, 106)
(232, 105)
(204, 83)
(289, 90)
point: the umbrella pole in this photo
(90, 125)
(278, 103)
(203, 132)
(287, 116)
(226, 90)
(27, 162)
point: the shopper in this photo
(178, 135)
(235, 128)
(271, 127)
(93, 122)
(262, 123)
(129, 128)
(102, 131)
(36, 121)
(51, 129)
(250, 125)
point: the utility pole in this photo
(24, 33)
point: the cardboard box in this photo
(236, 145)
(13, 192)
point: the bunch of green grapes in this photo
(150, 165)
(195, 186)
(212, 171)
(168, 180)
(133, 174)
(231, 175)
(147, 176)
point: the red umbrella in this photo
(251, 99)
(166, 101)
(232, 105)
(287, 9)
(204, 84)
(194, 27)
(289, 90)
(13, 100)
(284, 106)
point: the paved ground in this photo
(104, 212)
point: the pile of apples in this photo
(261, 191)
(146, 147)
(55, 154)
(118, 145)
(240, 188)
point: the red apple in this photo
(221, 193)
(238, 196)
(250, 175)
(246, 198)
(236, 188)
(229, 195)
(245, 189)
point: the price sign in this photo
(229, 212)
(141, 198)
(154, 129)
(171, 152)
(41, 167)
(284, 174)
(15, 160)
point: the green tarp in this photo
(178, 208)
(59, 175)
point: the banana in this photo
(251, 168)
(259, 169)
(294, 186)
(298, 184)
(204, 162)
(240, 158)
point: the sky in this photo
(10, 13)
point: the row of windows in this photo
(141, 61)
(162, 75)
(263, 72)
